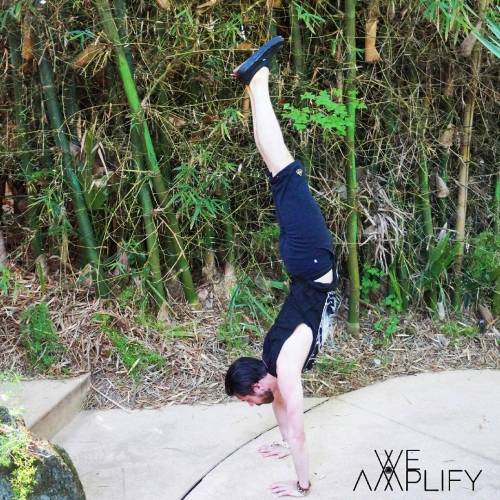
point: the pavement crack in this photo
(239, 448)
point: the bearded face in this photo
(262, 399)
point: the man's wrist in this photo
(283, 443)
(301, 488)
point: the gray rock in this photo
(5, 416)
(56, 477)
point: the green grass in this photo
(252, 309)
(456, 331)
(135, 357)
(386, 327)
(181, 331)
(483, 270)
(15, 453)
(39, 337)
(337, 364)
(234, 332)
(5, 280)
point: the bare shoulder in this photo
(294, 351)
(289, 369)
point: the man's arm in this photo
(279, 409)
(290, 385)
(273, 450)
(289, 365)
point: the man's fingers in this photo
(284, 489)
(268, 450)
(281, 492)
(269, 454)
(279, 487)
(274, 453)
(264, 450)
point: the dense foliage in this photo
(86, 191)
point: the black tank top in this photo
(304, 304)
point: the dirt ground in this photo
(197, 359)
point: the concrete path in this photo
(451, 418)
(359, 445)
(158, 454)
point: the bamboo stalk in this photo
(152, 244)
(209, 268)
(423, 171)
(425, 202)
(297, 47)
(3, 251)
(496, 293)
(70, 103)
(350, 169)
(463, 176)
(425, 206)
(139, 123)
(299, 68)
(86, 232)
(14, 41)
(444, 157)
(371, 52)
(497, 204)
(152, 240)
(121, 18)
(442, 201)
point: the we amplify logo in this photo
(414, 477)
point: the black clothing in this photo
(305, 241)
(305, 247)
(308, 302)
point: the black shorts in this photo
(305, 247)
(305, 242)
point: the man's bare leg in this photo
(266, 129)
(267, 133)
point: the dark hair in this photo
(242, 374)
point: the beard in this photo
(267, 397)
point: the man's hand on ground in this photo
(274, 450)
(286, 489)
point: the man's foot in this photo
(261, 57)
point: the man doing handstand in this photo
(303, 322)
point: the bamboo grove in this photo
(127, 153)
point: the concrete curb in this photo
(49, 405)
(62, 412)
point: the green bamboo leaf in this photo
(492, 45)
